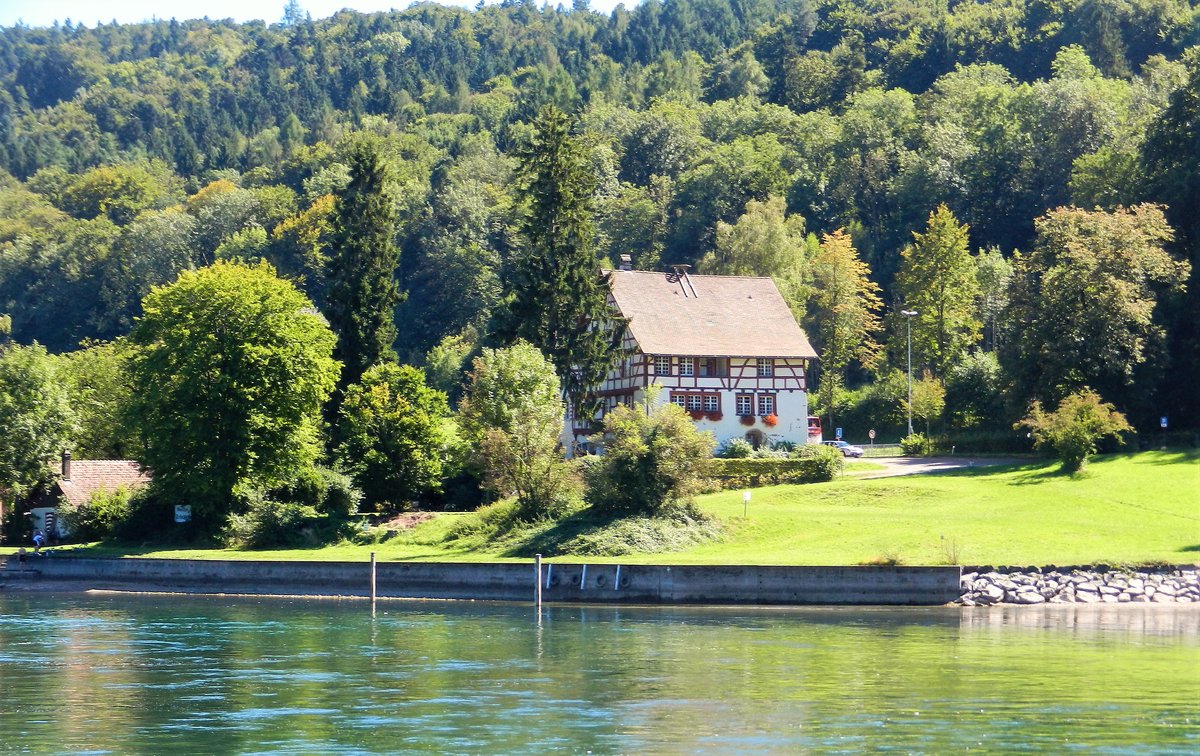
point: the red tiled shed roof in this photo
(91, 475)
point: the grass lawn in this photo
(1122, 508)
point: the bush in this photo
(916, 445)
(1073, 429)
(735, 448)
(654, 460)
(823, 462)
(327, 491)
(810, 464)
(99, 517)
(272, 524)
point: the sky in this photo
(89, 12)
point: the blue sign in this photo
(838, 434)
(1162, 421)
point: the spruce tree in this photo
(362, 294)
(555, 297)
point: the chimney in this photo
(66, 465)
(626, 262)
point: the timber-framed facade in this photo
(726, 349)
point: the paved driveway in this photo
(917, 465)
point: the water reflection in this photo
(202, 674)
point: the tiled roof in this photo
(725, 316)
(91, 475)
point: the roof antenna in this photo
(685, 282)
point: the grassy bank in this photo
(1123, 508)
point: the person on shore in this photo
(39, 541)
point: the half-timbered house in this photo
(725, 348)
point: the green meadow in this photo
(1122, 509)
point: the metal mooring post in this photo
(537, 580)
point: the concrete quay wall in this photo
(503, 581)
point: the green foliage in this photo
(327, 491)
(266, 524)
(396, 436)
(554, 294)
(937, 279)
(654, 460)
(512, 415)
(238, 408)
(97, 383)
(809, 463)
(98, 518)
(735, 448)
(1073, 429)
(35, 416)
(974, 394)
(1085, 298)
(916, 445)
(928, 400)
(362, 290)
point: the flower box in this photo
(714, 416)
(697, 414)
(747, 419)
(771, 421)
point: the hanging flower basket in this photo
(747, 419)
(771, 421)
(714, 415)
(697, 414)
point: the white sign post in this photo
(745, 504)
(871, 435)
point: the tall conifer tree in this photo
(555, 296)
(362, 295)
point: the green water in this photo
(205, 675)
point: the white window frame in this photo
(766, 405)
(745, 405)
(695, 403)
(766, 367)
(687, 366)
(679, 400)
(662, 364)
(712, 402)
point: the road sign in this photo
(1162, 422)
(871, 434)
(838, 434)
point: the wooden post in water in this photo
(372, 581)
(537, 580)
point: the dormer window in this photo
(687, 366)
(662, 365)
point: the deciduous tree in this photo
(937, 279)
(396, 435)
(230, 368)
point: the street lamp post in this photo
(908, 316)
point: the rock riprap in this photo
(1095, 585)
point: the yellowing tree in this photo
(845, 313)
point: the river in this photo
(117, 673)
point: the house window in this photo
(662, 365)
(679, 399)
(766, 367)
(712, 403)
(766, 404)
(745, 405)
(712, 367)
(694, 402)
(687, 366)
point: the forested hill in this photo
(136, 151)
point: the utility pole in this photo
(908, 316)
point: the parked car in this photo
(847, 450)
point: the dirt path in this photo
(917, 465)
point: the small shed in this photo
(77, 481)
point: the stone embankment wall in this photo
(1095, 585)
(509, 581)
